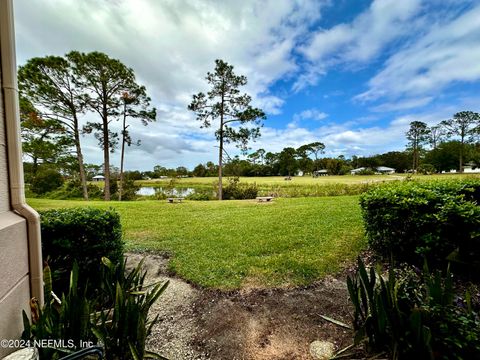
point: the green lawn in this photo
(234, 244)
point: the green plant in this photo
(239, 191)
(200, 196)
(122, 323)
(415, 219)
(412, 315)
(68, 319)
(45, 181)
(129, 189)
(82, 235)
(366, 172)
(123, 329)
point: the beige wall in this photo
(14, 276)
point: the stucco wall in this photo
(14, 277)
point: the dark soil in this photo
(262, 324)
(271, 324)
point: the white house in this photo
(356, 171)
(98, 178)
(385, 170)
(378, 170)
(322, 172)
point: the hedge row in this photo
(83, 235)
(412, 220)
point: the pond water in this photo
(176, 192)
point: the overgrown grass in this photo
(301, 186)
(234, 244)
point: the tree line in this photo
(463, 131)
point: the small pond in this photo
(176, 192)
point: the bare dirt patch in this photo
(248, 324)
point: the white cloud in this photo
(448, 53)
(358, 41)
(403, 104)
(171, 45)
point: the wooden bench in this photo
(264, 198)
(174, 200)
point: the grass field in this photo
(300, 180)
(301, 186)
(234, 244)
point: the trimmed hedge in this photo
(83, 235)
(414, 219)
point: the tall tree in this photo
(238, 121)
(105, 81)
(465, 125)
(135, 105)
(417, 135)
(51, 85)
(436, 134)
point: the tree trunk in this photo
(81, 167)
(106, 155)
(461, 153)
(220, 164)
(122, 155)
(220, 151)
(34, 166)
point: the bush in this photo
(46, 181)
(122, 326)
(83, 235)
(413, 315)
(366, 172)
(199, 196)
(129, 190)
(412, 219)
(72, 189)
(236, 191)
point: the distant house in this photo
(378, 170)
(356, 171)
(98, 178)
(322, 172)
(385, 170)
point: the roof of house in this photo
(357, 170)
(99, 177)
(385, 168)
(321, 171)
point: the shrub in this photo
(412, 219)
(72, 189)
(122, 326)
(129, 189)
(68, 319)
(46, 181)
(366, 172)
(411, 315)
(237, 191)
(83, 235)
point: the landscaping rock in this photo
(23, 354)
(322, 350)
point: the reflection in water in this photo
(177, 192)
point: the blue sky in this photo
(352, 74)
